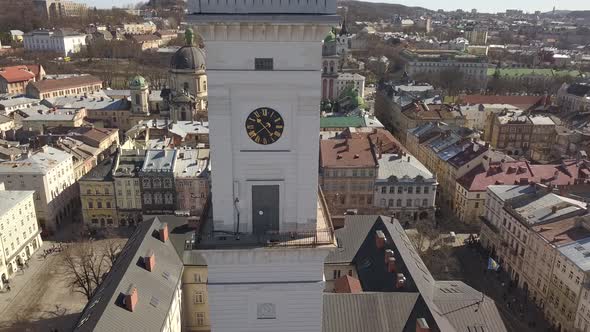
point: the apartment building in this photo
(476, 35)
(138, 28)
(473, 67)
(418, 113)
(574, 97)
(76, 85)
(97, 196)
(348, 169)
(471, 188)
(157, 182)
(350, 80)
(529, 231)
(192, 180)
(14, 79)
(126, 170)
(50, 173)
(448, 152)
(20, 234)
(520, 134)
(404, 188)
(65, 42)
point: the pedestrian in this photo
(8, 288)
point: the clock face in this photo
(264, 125)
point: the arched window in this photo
(390, 202)
(424, 202)
(398, 202)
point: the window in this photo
(90, 205)
(390, 203)
(200, 319)
(425, 202)
(476, 205)
(197, 277)
(198, 297)
(409, 203)
(418, 190)
(399, 190)
(263, 64)
(392, 190)
(383, 189)
(336, 274)
(410, 190)
(99, 204)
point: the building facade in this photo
(64, 42)
(128, 164)
(77, 85)
(97, 196)
(156, 180)
(20, 234)
(50, 173)
(191, 179)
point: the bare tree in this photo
(86, 264)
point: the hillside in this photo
(372, 11)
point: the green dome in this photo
(331, 37)
(137, 82)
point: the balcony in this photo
(323, 235)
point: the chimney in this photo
(422, 325)
(130, 299)
(388, 253)
(149, 261)
(408, 158)
(553, 209)
(163, 232)
(379, 239)
(391, 265)
(400, 281)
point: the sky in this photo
(467, 5)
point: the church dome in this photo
(331, 37)
(188, 57)
(137, 82)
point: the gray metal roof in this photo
(578, 252)
(506, 192)
(548, 207)
(156, 289)
(159, 161)
(402, 166)
(9, 198)
(191, 163)
(350, 238)
(370, 312)
(38, 163)
(18, 102)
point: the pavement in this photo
(39, 300)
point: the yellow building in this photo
(97, 195)
(195, 304)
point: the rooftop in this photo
(544, 207)
(159, 161)
(105, 311)
(101, 172)
(402, 168)
(40, 162)
(191, 163)
(10, 198)
(522, 102)
(562, 232)
(578, 252)
(65, 83)
(16, 74)
(342, 121)
(355, 152)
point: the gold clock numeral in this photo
(264, 112)
(277, 134)
(264, 141)
(257, 139)
(279, 126)
(251, 119)
(250, 127)
(256, 114)
(278, 119)
(252, 134)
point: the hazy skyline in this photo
(488, 6)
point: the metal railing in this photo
(269, 239)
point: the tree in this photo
(86, 264)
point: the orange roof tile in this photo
(16, 74)
(353, 152)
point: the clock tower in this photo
(266, 243)
(264, 69)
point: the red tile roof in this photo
(523, 102)
(353, 152)
(516, 172)
(380, 137)
(562, 232)
(347, 284)
(17, 74)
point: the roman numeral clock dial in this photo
(264, 125)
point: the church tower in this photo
(266, 244)
(139, 95)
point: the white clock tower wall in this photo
(292, 88)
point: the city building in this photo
(64, 42)
(473, 67)
(191, 134)
(14, 79)
(330, 66)
(52, 88)
(348, 169)
(97, 196)
(477, 114)
(157, 182)
(538, 239)
(39, 121)
(264, 73)
(10, 105)
(404, 188)
(139, 28)
(126, 170)
(58, 9)
(21, 236)
(520, 134)
(471, 191)
(349, 80)
(574, 97)
(142, 289)
(418, 113)
(192, 180)
(50, 173)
